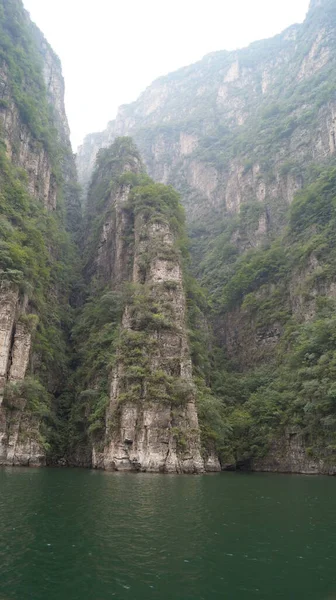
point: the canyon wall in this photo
(37, 171)
(121, 360)
(237, 126)
(244, 136)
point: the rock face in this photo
(151, 420)
(23, 150)
(195, 150)
(289, 455)
(9, 300)
(18, 431)
(240, 134)
(30, 133)
(187, 124)
(149, 432)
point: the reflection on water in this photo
(86, 535)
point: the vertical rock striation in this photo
(146, 430)
(36, 168)
(237, 126)
(151, 421)
(248, 138)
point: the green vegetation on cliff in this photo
(241, 410)
(290, 391)
(21, 62)
(37, 256)
(124, 210)
(261, 324)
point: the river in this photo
(89, 535)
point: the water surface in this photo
(87, 535)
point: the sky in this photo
(111, 50)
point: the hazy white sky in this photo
(111, 50)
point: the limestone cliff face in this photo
(188, 124)
(22, 149)
(196, 151)
(288, 454)
(238, 131)
(145, 434)
(112, 259)
(255, 96)
(19, 434)
(30, 147)
(239, 134)
(54, 82)
(251, 342)
(151, 421)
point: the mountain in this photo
(39, 203)
(126, 345)
(136, 401)
(95, 356)
(248, 139)
(237, 125)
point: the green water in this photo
(76, 534)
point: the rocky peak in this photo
(229, 96)
(323, 11)
(151, 421)
(317, 3)
(54, 82)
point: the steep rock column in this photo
(27, 450)
(8, 306)
(152, 422)
(114, 255)
(15, 345)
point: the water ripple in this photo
(75, 534)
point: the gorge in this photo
(148, 329)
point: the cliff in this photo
(237, 126)
(248, 139)
(123, 360)
(141, 404)
(38, 183)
